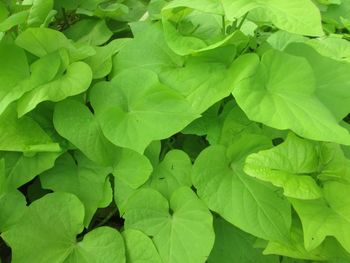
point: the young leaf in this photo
(326, 217)
(290, 165)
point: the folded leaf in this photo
(74, 81)
(297, 16)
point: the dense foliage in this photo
(184, 131)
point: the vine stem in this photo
(242, 21)
(107, 218)
(223, 19)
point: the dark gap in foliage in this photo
(347, 118)
(191, 144)
(277, 141)
(35, 191)
(5, 252)
(27, 191)
(88, 104)
(108, 216)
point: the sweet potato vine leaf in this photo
(297, 165)
(135, 108)
(47, 233)
(181, 232)
(243, 201)
(285, 94)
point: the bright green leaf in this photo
(297, 16)
(47, 233)
(135, 109)
(235, 246)
(182, 232)
(87, 181)
(326, 217)
(283, 93)
(241, 200)
(139, 248)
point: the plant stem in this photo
(65, 17)
(107, 218)
(223, 19)
(242, 21)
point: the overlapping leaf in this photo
(182, 232)
(135, 108)
(83, 130)
(49, 235)
(87, 181)
(285, 94)
(243, 201)
(300, 16)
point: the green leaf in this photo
(42, 41)
(14, 20)
(182, 232)
(173, 172)
(158, 56)
(290, 165)
(87, 181)
(215, 68)
(188, 29)
(139, 247)
(299, 16)
(332, 86)
(83, 130)
(23, 135)
(332, 47)
(224, 76)
(12, 202)
(12, 207)
(47, 233)
(234, 246)
(93, 32)
(241, 200)
(330, 249)
(103, 244)
(284, 94)
(42, 70)
(11, 74)
(101, 62)
(135, 108)
(74, 81)
(38, 12)
(326, 217)
(21, 169)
